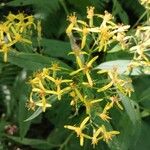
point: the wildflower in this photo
(89, 103)
(104, 37)
(140, 50)
(30, 103)
(121, 84)
(105, 115)
(96, 137)
(43, 103)
(107, 17)
(58, 83)
(115, 100)
(76, 91)
(5, 49)
(18, 38)
(79, 55)
(4, 32)
(55, 67)
(11, 17)
(39, 78)
(86, 70)
(79, 130)
(107, 135)
(85, 32)
(90, 14)
(75, 98)
(146, 3)
(104, 88)
(73, 20)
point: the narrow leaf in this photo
(35, 114)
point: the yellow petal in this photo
(75, 72)
(104, 88)
(92, 61)
(89, 79)
(84, 122)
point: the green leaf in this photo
(131, 108)
(120, 64)
(40, 5)
(143, 142)
(32, 61)
(145, 95)
(35, 143)
(115, 49)
(21, 93)
(56, 48)
(129, 132)
(34, 115)
(118, 10)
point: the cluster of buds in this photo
(17, 28)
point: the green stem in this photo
(142, 16)
(62, 2)
(65, 142)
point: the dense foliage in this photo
(77, 65)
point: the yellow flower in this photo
(5, 34)
(79, 130)
(73, 20)
(104, 38)
(146, 3)
(43, 103)
(5, 49)
(140, 51)
(89, 103)
(107, 135)
(76, 91)
(90, 14)
(18, 38)
(105, 115)
(115, 100)
(122, 84)
(11, 17)
(96, 137)
(84, 32)
(79, 56)
(86, 70)
(30, 103)
(58, 82)
(55, 67)
(104, 88)
(75, 98)
(107, 17)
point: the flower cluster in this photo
(81, 84)
(44, 85)
(16, 28)
(103, 35)
(145, 3)
(141, 50)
